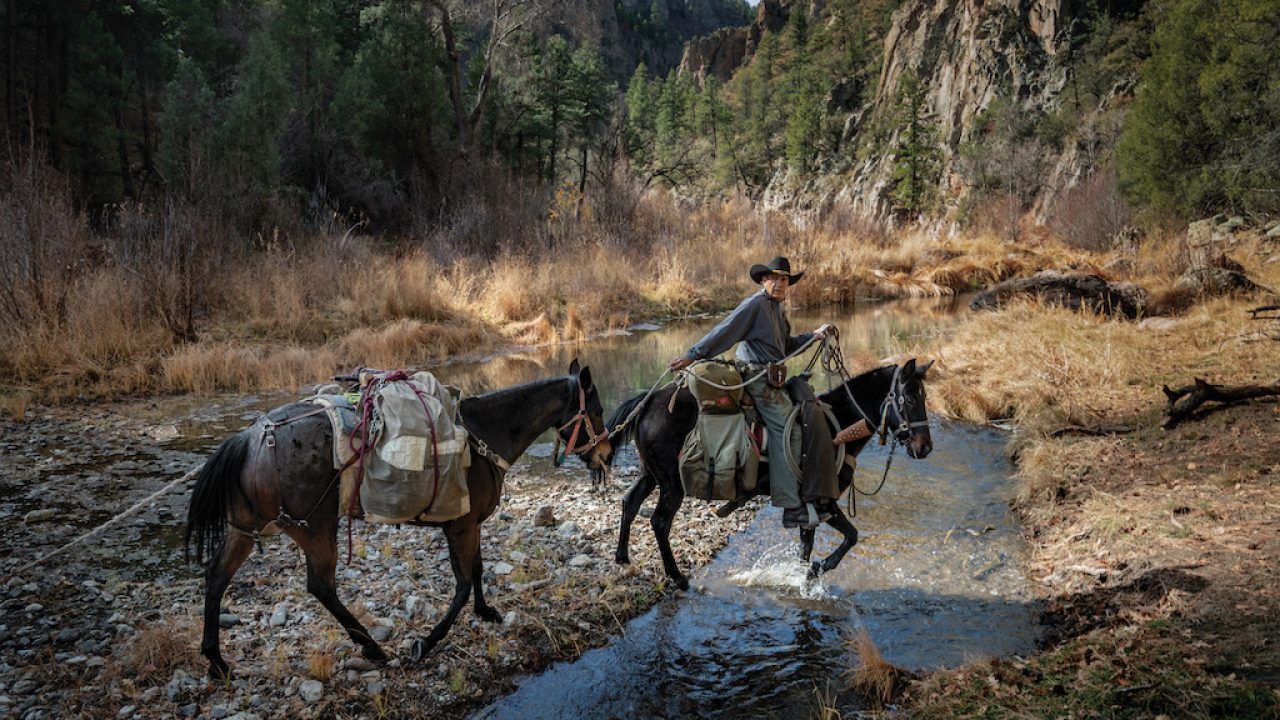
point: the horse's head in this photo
(905, 413)
(581, 426)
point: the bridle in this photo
(578, 422)
(896, 401)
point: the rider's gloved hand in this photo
(678, 364)
(827, 330)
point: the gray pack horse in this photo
(890, 398)
(250, 488)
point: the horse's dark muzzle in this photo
(920, 446)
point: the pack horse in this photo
(278, 475)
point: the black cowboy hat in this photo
(776, 266)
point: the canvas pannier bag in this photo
(712, 399)
(718, 460)
(401, 482)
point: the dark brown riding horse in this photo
(890, 397)
(251, 488)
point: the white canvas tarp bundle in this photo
(417, 467)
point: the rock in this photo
(413, 605)
(502, 568)
(227, 620)
(1160, 323)
(1274, 232)
(217, 712)
(279, 615)
(1077, 291)
(190, 710)
(518, 557)
(510, 619)
(544, 517)
(569, 529)
(358, 664)
(128, 711)
(581, 560)
(33, 608)
(380, 633)
(39, 516)
(311, 690)
(1213, 281)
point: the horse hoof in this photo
(682, 583)
(488, 614)
(374, 654)
(419, 650)
(815, 570)
(621, 559)
(220, 671)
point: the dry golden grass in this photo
(154, 653)
(320, 664)
(875, 678)
(281, 318)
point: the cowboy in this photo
(760, 326)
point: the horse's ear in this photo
(584, 378)
(575, 367)
(922, 370)
(909, 368)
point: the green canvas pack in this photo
(711, 398)
(718, 460)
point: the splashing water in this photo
(780, 568)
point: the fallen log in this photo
(1096, 430)
(1184, 401)
(1253, 312)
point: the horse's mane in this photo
(508, 393)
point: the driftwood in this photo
(1078, 291)
(1265, 308)
(1096, 430)
(1184, 401)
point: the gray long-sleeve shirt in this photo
(762, 328)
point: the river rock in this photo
(311, 690)
(569, 529)
(545, 517)
(129, 710)
(502, 568)
(1274, 232)
(39, 516)
(380, 633)
(581, 560)
(227, 620)
(279, 615)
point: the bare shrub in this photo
(483, 210)
(44, 245)
(1092, 214)
(154, 653)
(844, 221)
(179, 253)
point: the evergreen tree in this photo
(591, 99)
(917, 158)
(186, 114)
(1202, 134)
(642, 111)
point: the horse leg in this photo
(464, 546)
(631, 503)
(483, 609)
(806, 542)
(668, 503)
(322, 569)
(218, 573)
(850, 533)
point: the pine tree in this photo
(917, 158)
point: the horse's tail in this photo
(211, 499)
(621, 436)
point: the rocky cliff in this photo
(966, 53)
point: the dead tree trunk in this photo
(1184, 401)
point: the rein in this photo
(593, 438)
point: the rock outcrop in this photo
(721, 53)
(1077, 291)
